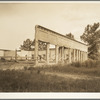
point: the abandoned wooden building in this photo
(66, 49)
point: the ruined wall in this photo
(1, 53)
(9, 53)
(65, 48)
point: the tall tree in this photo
(91, 36)
(70, 35)
(27, 45)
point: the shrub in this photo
(76, 64)
(89, 63)
(2, 59)
(25, 68)
(31, 68)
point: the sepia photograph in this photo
(49, 47)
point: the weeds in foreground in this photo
(89, 67)
(33, 80)
(88, 63)
(25, 81)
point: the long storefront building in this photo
(66, 49)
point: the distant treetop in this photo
(70, 35)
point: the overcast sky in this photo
(18, 20)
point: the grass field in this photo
(31, 79)
(87, 68)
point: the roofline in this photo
(6, 50)
(37, 26)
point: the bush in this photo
(31, 68)
(2, 59)
(76, 64)
(25, 68)
(89, 63)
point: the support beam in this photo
(79, 55)
(36, 52)
(47, 53)
(73, 55)
(56, 53)
(86, 56)
(76, 55)
(16, 54)
(69, 55)
(62, 53)
(83, 56)
(59, 58)
(36, 47)
(65, 53)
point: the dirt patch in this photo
(14, 66)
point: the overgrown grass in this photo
(35, 80)
(31, 81)
(87, 64)
(89, 67)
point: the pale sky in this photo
(18, 20)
